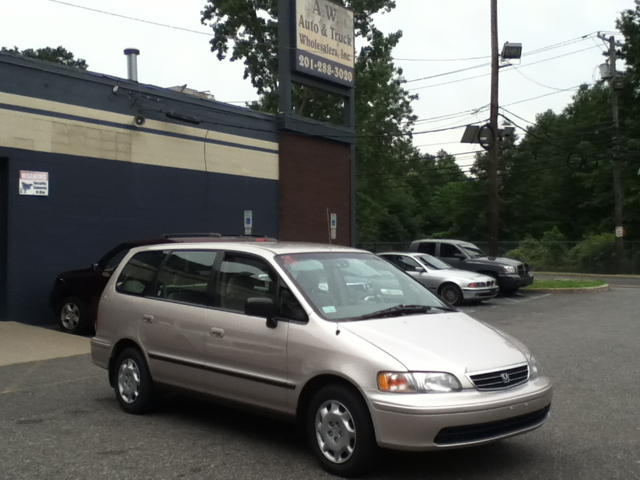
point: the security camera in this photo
(139, 120)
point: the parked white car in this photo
(454, 286)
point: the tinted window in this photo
(429, 248)
(243, 277)
(448, 251)
(137, 275)
(185, 277)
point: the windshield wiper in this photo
(398, 310)
(447, 309)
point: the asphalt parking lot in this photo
(59, 418)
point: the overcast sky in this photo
(450, 30)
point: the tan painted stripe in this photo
(71, 137)
(94, 114)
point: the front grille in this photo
(487, 431)
(501, 379)
(523, 269)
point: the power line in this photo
(509, 65)
(534, 52)
(534, 81)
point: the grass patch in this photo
(565, 283)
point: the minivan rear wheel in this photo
(133, 384)
(340, 431)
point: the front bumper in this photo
(446, 420)
(479, 293)
(515, 281)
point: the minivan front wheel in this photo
(340, 431)
(133, 384)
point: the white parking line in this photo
(503, 301)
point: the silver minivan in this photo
(339, 339)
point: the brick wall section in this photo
(314, 176)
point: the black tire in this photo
(451, 294)
(132, 382)
(508, 291)
(348, 426)
(73, 316)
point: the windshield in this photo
(347, 286)
(433, 262)
(472, 250)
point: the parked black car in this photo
(510, 274)
(75, 294)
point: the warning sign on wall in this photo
(34, 183)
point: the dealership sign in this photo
(325, 41)
(33, 183)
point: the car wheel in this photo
(508, 291)
(340, 431)
(451, 294)
(133, 384)
(73, 316)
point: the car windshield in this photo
(433, 262)
(351, 286)
(471, 250)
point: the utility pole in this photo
(615, 153)
(492, 174)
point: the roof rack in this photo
(200, 234)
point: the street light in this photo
(511, 51)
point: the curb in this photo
(602, 288)
(597, 275)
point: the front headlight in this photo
(417, 382)
(509, 269)
(534, 366)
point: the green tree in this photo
(58, 55)
(387, 207)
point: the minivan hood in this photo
(446, 342)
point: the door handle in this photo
(217, 332)
(147, 318)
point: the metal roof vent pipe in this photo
(132, 63)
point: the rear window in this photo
(138, 274)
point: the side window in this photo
(407, 264)
(137, 275)
(184, 277)
(449, 251)
(289, 307)
(243, 277)
(426, 247)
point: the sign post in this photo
(248, 222)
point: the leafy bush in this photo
(596, 253)
(549, 253)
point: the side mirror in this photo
(419, 269)
(262, 307)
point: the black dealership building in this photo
(88, 161)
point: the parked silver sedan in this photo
(452, 285)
